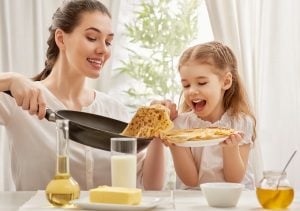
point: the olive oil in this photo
(62, 188)
(279, 198)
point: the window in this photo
(151, 35)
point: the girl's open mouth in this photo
(199, 104)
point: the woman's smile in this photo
(95, 63)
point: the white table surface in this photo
(185, 200)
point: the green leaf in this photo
(160, 32)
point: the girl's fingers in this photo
(232, 140)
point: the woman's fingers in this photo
(173, 109)
(33, 108)
(25, 103)
(41, 106)
(170, 105)
(29, 96)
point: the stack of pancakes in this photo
(149, 121)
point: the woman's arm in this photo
(154, 163)
(6, 80)
(185, 165)
(26, 93)
(235, 159)
(154, 166)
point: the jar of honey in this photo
(275, 191)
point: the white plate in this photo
(201, 143)
(146, 204)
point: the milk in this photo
(123, 171)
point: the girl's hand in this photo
(170, 105)
(233, 140)
(28, 95)
(165, 141)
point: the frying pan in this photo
(91, 129)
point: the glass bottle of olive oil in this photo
(62, 188)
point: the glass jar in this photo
(274, 190)
(62, 188)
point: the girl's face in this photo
(204, 90)
(87, 48)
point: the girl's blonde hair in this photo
(235, 99)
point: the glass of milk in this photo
(123, 162)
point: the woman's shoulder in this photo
(102, 97)
(105, 104)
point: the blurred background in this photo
(149, 38)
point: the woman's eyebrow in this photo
(98, 30)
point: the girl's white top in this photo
(209, 158)
(32, 145)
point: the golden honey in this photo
(279, 198)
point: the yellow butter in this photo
(116, 195)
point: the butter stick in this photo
(116, 195)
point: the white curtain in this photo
(23, 43)
(265, 36)
(24, 32)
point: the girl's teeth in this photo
(197, 101)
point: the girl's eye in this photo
(91, 39)
(203, 83)
(108, 44)
(186, 86)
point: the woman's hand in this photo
(170, 105)
(233, 140)
(28, 95)
(173, 114)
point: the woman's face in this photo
(203, 90)
(87, 48)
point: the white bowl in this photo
(222, 194)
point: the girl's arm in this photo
(235, 159)
(185, 165)
(154, 166)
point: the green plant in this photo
(159, 33)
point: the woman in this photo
(79, 45)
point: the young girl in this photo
(213, 97)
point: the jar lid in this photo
(273, 173)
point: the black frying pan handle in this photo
(50, 115)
